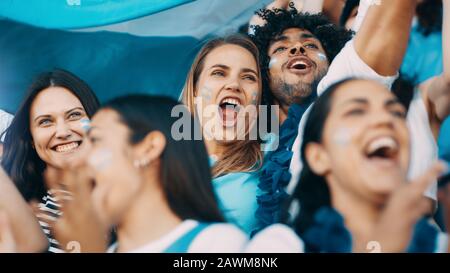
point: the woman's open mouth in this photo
(228, 110)
(67, 147)
(383, 151)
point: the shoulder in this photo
(276, 238)
(221, 237)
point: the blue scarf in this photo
(328, 234)
(275, 175)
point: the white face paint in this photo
(85, 124)
(206, 93)
(272, 62)
(254, 100)
(343, 136)
(322, 56)
(100, 160)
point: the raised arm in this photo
(382, 40)
(438, 91)
(27, 233)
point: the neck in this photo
(214, 148)
(282, 111)
(360, 215)
(138, 226)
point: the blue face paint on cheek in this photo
(85, 124)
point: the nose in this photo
(297, 49)
(382, 119)
(63, 130)
(233, 85)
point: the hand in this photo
(7, 241)
(444, 200)
(405, 207)
(80, 225)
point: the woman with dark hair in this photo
(47, 132)
(353, 194)
(154, 189)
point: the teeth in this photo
(382, 142)
(300, 62)
(67, 147)
(231, 101)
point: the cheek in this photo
(342, 137)
(100, 159)
(41, 137)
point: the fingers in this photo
(422, 183)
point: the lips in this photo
(300, 65)
(66, 147)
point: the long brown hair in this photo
(244, 155)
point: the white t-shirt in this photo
(5, 121)
(276, 238)
(424, 150)
(216, 238)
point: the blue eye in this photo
(279, 49)
(312, 46)
(75, 115)
(44, 122)
(218, 73)
(249, 77)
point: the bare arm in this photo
(382, 40)
(438, 91)
(27, 233)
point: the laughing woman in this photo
(353, 194)
(47, 132)
(223, 84)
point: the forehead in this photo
(372, 92)
(294, 34)
(230, 55)
(54, 100)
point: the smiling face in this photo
(297, 60)
(365, 142)
(56, 126)
(228, 83)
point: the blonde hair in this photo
(243, 155)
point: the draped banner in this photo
(118, 47)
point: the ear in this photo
(317, 158)
(150, 148)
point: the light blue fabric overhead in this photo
(150, 54)
(68, 14)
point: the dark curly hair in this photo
(331, 36)
(429, 14)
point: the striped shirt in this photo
(49, 211)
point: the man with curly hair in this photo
(301, 55)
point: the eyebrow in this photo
(391, 102)
(387, 103)
(355, 100)
(65, 113)
(303, 36)
(227, 68)
(219, 66)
